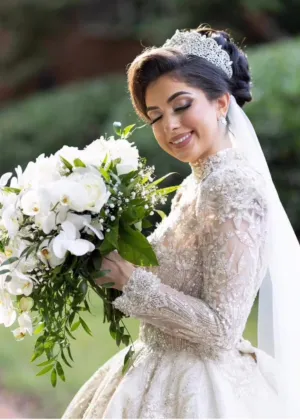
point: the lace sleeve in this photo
(232, 228)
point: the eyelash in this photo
(181, 108)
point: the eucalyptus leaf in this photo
(85, 326)
(79, 164)
(60, 371)
(66, 163)
(53, 378)
(10, 260)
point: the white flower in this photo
(11, 216)
(26, 303)
(69, 240)
(78, 221)
(47, 256)
(25, 326)
(35, 202)
(4, 179)
(70, 194)
(96, 192)
(128, 153)
(96, 227)
(7, 313)
(20, 284)
(69, 153)
(41, 172)
(46, 222)
(94, 153)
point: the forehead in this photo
(165, 86)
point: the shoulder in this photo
(235, 186)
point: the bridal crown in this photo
(193, 43)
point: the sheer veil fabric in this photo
(279, 308)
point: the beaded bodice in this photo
(212, 259)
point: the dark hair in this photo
(195, 71)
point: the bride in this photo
(226, 237)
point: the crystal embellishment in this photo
(193, 43)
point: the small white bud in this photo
(126, 200)
(101, 221)
(151, 213)
(112, 218)
(108, 230)
(120, 208)
(146, 206)
(111, 206)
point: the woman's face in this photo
(185, 124)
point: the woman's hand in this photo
(120, 273)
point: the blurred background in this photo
(63, 81)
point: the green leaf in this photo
(85, 326)
(46, 363)
(107, 285)
(128, 360)
(12, 190)
(39, 329)
(158, 181)
(105, 174)
(9, 261)
(4, 272)
(79, 164)
(53, 378)
(66, 163)
(146, 224)
(118, 338)
(133, 214)
(113, 235)
(128, 130)
(161, 213)
(69, 353)
(69, 333)
(135, 248)
(60, 371)
(168, 190)
(64, 359)
(45, 370)
(83, 287)
(75, 326)
(125, 340)
(113, 330)
(37, 353)
(106, 247)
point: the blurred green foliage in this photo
(78, 114)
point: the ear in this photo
(223, 104)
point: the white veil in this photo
(279, 295)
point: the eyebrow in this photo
(171, 98)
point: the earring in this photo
(222, 120)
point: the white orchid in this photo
(96, 227)
(25, 326)
(11, 219)
(69, 240)
(20, 284)
(70, 194)
(36, 201)
(46, 222)
(4, 179)
(47, 256)
(8, 314)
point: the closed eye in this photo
(179, 109)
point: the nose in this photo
(171, 124)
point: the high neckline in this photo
(204, 166)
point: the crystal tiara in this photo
(206, 47)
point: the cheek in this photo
(160, 137)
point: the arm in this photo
(232, 222)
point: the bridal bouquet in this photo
(58, 219)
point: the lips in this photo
(179, 136)
(184, 142)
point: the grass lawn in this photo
(17, 374)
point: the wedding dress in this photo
(191, 358)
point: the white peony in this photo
(128, 153)
(94, 153)
(41, 172)
(96, 192)
(69, 153)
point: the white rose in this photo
(128, 153)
